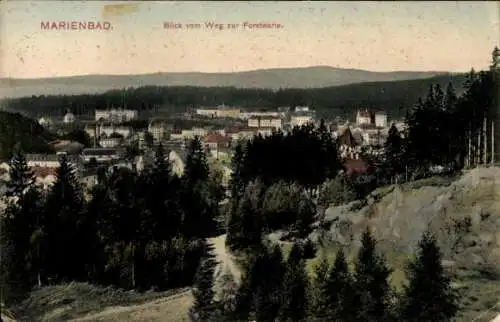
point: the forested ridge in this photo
(393, 97)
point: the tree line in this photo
(133, 230)
(333, 101)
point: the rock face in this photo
(464, 215)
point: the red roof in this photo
(354, 167)
(215, 138)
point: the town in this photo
(113, 131)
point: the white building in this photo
(276, 123)
(262, 114)
(45, 121)
(302, 109)
(116, 115)
(105, 130)
(158, 130)
(100, 155)
(363, 117)
(69, 118)
(380, 119)
(299, 120)
(110, 142)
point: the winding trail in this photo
(225, 259)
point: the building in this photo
(116, 115)
(106, 130)
(381, 119)
(45, 121)
(111, 141)
(363, 117)
(276, 123)
(300, 119)
(262, 114)
(100, 155)
(220, 111)
(158, 130)
(48, 163)
(69, 118)
(301, 108)
(215, 141)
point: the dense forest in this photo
(394, 97)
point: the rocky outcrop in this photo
(463, 214)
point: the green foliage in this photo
(341, 294)
(372, 301)
(337, 191)
(203, 284)
(265, 158)
(294, 297)
(428, 295)
(320, 290)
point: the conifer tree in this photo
(428, 295)
(340, 290)
(21, 238)
(394, 151)
(371, 282)
(245, 227)
(237, 183)
(21, 177)
(203, 292)
(267, 297)
(196, 168)
(320, 290)
(63, 216)
(295, 285)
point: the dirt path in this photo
(173, 308)
(225, 259)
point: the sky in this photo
(377, 36)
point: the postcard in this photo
(249, 160)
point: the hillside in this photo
(308, 77)
(394, 97)
(463, 214)
(18, 129)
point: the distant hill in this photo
(393, 97)
(18, 129)
(307, 77)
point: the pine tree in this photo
(306, 213)
(237, 180)
(428, 295)
(320, 291)
(371, 282)
(21, 177)
(20, 232)
(340, 290)
(245, 227)
(394, 151)
(203, 292)
(63, 216)
(295, 285)
(267, 297)
(196, 168)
